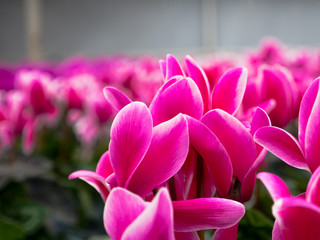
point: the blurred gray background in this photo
(56, 29)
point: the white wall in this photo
(145, 26)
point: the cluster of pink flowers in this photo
(34, 96)
(187, 138)
(188, 161)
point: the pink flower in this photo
(228, 91)
(36, 85)
(189, 93)
(17, 120)
(141, 159)
(275, 91)
(128, 216)
(303, 153)
(296, 217)
(139, 151)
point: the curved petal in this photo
(206, 213)
(155, 222)
(276, 232)
(167, 153)
(313, 189)
(163, 68)
(121, 209)
(173, 67)
(229, 91)
(213, 153)
(186, 236)
(104, 167)
(312, 136)
(282, 144)
(209, 188)
(275, 185)
(183, 178)
(226, 234)
(297, 218)
(111, 182)
(306, 106)
(94, 179)
(260, 119)
(249, 181)
(28, 136)
(116, 98)
(197, 74)
(268, 105)
(182, 96)
(130, 137)
(236, 139)
(37, 96)
(277, 84)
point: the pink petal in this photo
(275, 185)
(130, 137)
(282, 144)
(312, 136)
(277, 84)
(167, 153)
(186, 236)
(226, 234)
(249, 181)
(121, 209)
(229, 91)
(183, 178)
(173, 67)
(306, 107)
(236, 139)
(176, 96)
(155, 222)
(38, 98)
(276, 232)
(297, 218)
(116, 98)
(111, 182)
(260, 119)
(206, 213)
(104, 167)
(198, 75)
(163, 68)
(94, 179)
(209, 188)
(268, 105)
(213, 153)
(28, 136)
(313, 189)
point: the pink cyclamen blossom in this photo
(142, 158)
(36, 86)
(275, 91)
(303, 153)
(228, 92)
(222, 168)
(128, 216)
(211, 141)
(138, 150)
(296, 217)
(17, 120)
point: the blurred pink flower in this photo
(296, 217)
(138, 150)
(303, 153)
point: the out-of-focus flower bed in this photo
(55, 119)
